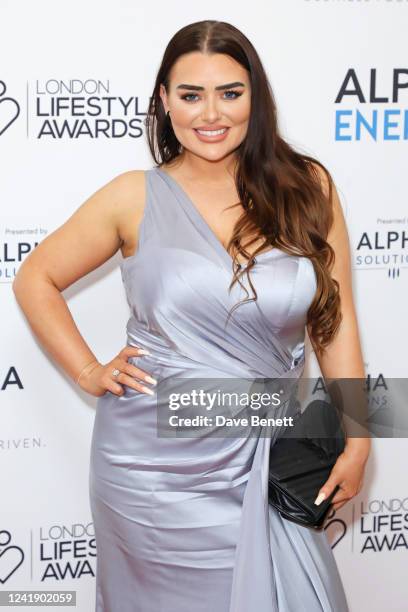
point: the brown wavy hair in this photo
(280, 189)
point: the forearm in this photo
(51, 321)
(351, 397)
(343, 370)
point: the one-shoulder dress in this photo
(184, 525)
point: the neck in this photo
(197, 168)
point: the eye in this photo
(233, 91)
(186, 96)
(236, 94)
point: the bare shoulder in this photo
(106, 221)
(328, 186)
(129, 184)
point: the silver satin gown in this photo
(180, 525)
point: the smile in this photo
(212, 132)
(211, 135)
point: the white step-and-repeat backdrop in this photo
(75, 80)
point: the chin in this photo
(215, 154)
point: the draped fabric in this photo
(184, 524)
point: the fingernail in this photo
(147, 390)
(150, 379)
(143, 352)
(319, 498)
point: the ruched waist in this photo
(166, 354)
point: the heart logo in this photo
(9, 109)
(336, 530)
(10, 557)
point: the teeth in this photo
(212, 132)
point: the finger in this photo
(110, 381)
(136, 372)
(326, 489)
(134, 384)
(113, 387)
(339, 505)
(340, 497)
(131, 351)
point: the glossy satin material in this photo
(184, 525)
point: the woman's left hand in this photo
(348, 473)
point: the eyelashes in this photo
(237, 94)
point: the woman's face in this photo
(207, 94)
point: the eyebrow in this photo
(200, 88)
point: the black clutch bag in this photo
(300, 462)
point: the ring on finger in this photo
(115, 372)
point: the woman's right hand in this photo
(99, 378)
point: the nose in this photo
(211, 111)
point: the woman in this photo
(184, 524)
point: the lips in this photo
(217, 126)
(212, 132)
(216, 134)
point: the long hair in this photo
(279, 188)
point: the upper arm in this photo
(342, 357)
(338, 239)
(90, 236)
